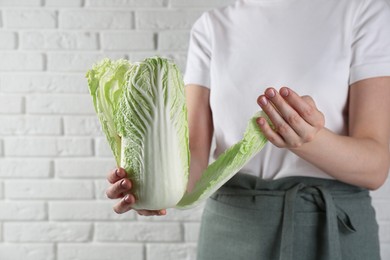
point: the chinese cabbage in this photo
(142, 110)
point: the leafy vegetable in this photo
(227, 164)
(142, 110)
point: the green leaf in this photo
(227, 164)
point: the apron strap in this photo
(333, 215)
(334, 249)
(287, 243)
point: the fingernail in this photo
(123, 184)
(127, 198)
(284, 92)
(117, 173)
(263, 100)
(260, 121)
(270, 93)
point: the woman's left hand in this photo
(296, 120)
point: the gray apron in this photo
(294, 218)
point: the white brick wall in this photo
(29, 18)
(47, 232)
(53, 156)
(100, 251)
(25, 251)
(21, 61)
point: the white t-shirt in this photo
(315, 47)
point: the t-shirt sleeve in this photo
(371, 41)
(199, 54)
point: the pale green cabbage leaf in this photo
(142, 110)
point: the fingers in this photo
(144, 212)
(286, 120)
(307, 109)
(116, 175)
(295, 119)
(124, 204)
(269, 133)
(119, 188)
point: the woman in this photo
(305, 195)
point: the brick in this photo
(11, 104)
(48, 189)
(384, 232)
(139, 232)
(30, 18)
(43, 83)
(25, 168)
(102, 149)
(200, 3)
(95, 19)
(85, 210)
(30, 125)
(21, 61)
(187, 215)
(125, 3)
(83, 168)
(59, 40)
(22, 211)
(76, 62)
(191, 232)
(173, 40)
(8, 40)
(20, 3)
(46, 146)
(22, 251)
(82, 125)
(382, 210)
(63, 3)
(100, 251)
(171, 251)
(128, 41)
(166, 20)
(59, 104)
(47, 232)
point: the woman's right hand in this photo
(120, 188)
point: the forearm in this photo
(200, 131)
(359, 161)
(198, 164)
